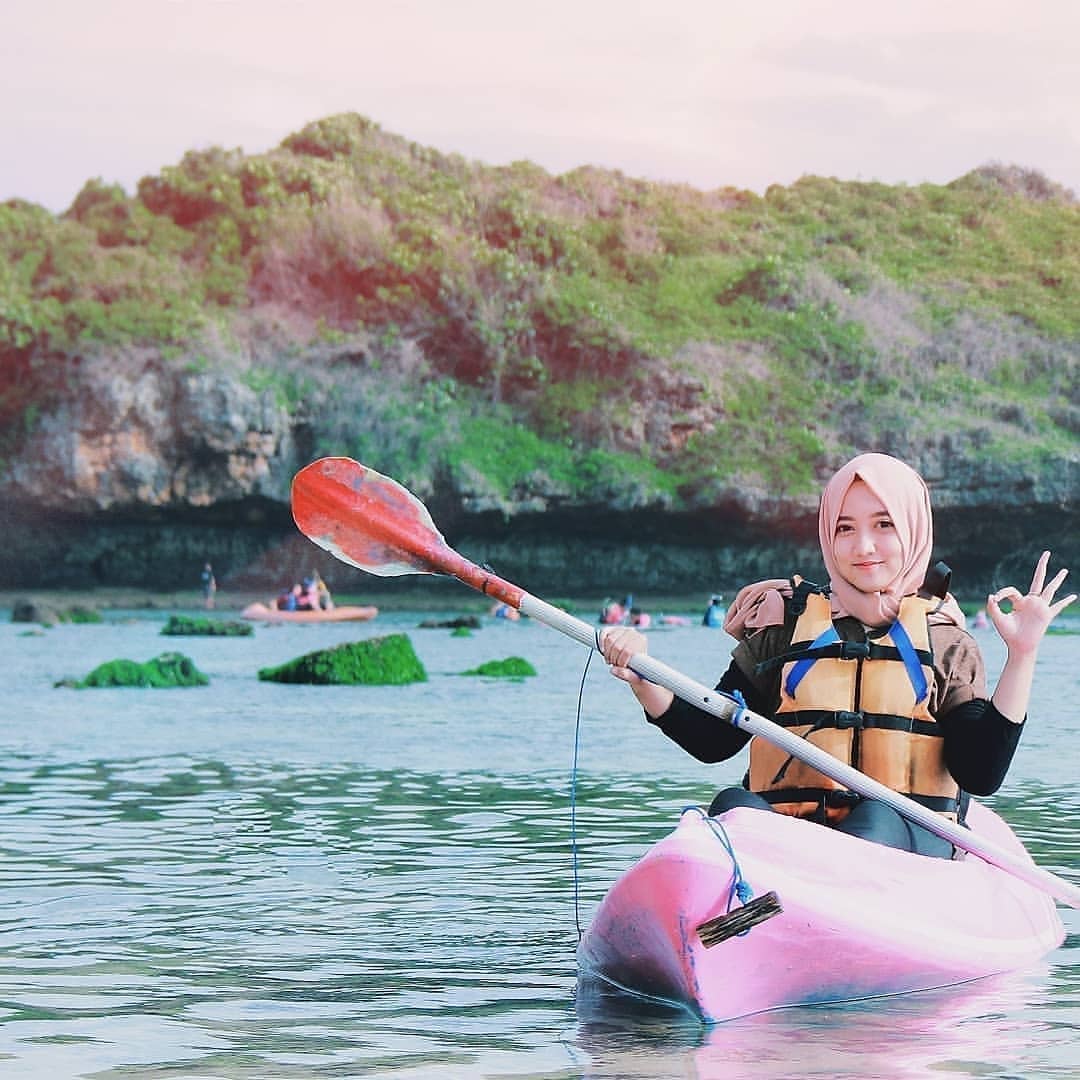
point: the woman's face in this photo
(866, 544)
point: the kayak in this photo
(263, 613)
(850, 920)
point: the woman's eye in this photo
(841, 529)
(885, 523)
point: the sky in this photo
(705, 92)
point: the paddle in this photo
(371, 522)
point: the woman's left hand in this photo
(1022, 628)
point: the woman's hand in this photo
(619, 645)
(1023, 627)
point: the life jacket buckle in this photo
(854, 650)
(844, 719)
(834, 799)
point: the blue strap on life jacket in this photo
(904, 646)
(906, 649)
(801, 667)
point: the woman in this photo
(877, 669)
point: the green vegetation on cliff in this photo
(427, 313)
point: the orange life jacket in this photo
(866, 703)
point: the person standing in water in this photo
(876, 668)
(209, 586)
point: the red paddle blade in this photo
(370, 521)
(365, 519)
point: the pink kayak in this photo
(858, 920)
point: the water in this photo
(254, 880)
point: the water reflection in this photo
(979, 1029)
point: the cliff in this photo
(595, 383)
(142, 471)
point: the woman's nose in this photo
(864, 541)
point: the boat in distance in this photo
(345, 613)
(851, 920)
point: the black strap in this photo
(800, 591)
(830, 797)
(837, 797)
(840, 650)
(817, 719)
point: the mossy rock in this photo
(185, 626)
(461, 631)
(34, 611)
(80, 614)
(379, 661)
(513, 667)
(163, 672)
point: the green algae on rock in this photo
(33, 611)
(163, 672)
(379, 661)
(513, 667)
(186, 626)
(461, 631)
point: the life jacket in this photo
(864, 702)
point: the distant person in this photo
(322, 592)
(309, 595)
(715, 612)
(209, 586)
(981, 621)
(615, 614)
(505, 611)
(292, 599)
(641, 619)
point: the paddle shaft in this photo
(724, 707)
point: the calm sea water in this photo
(259, 881)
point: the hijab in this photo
(903, 493)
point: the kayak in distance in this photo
(344, 613)
(841, 919)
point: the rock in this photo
(183, 625)
(166, 671)
(32, 611)
(379, 661)
(513, 667)
(48, 615)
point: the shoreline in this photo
(444, 594)
(229, 603)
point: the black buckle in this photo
(835, 799)
(844, 719)
(854, 650)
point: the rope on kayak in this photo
(573, 789)
(740, 887)
(739, 921)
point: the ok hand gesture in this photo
(1023, 626)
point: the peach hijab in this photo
(905, 497)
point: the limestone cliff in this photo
(143, 469)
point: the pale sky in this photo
(706, 92)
